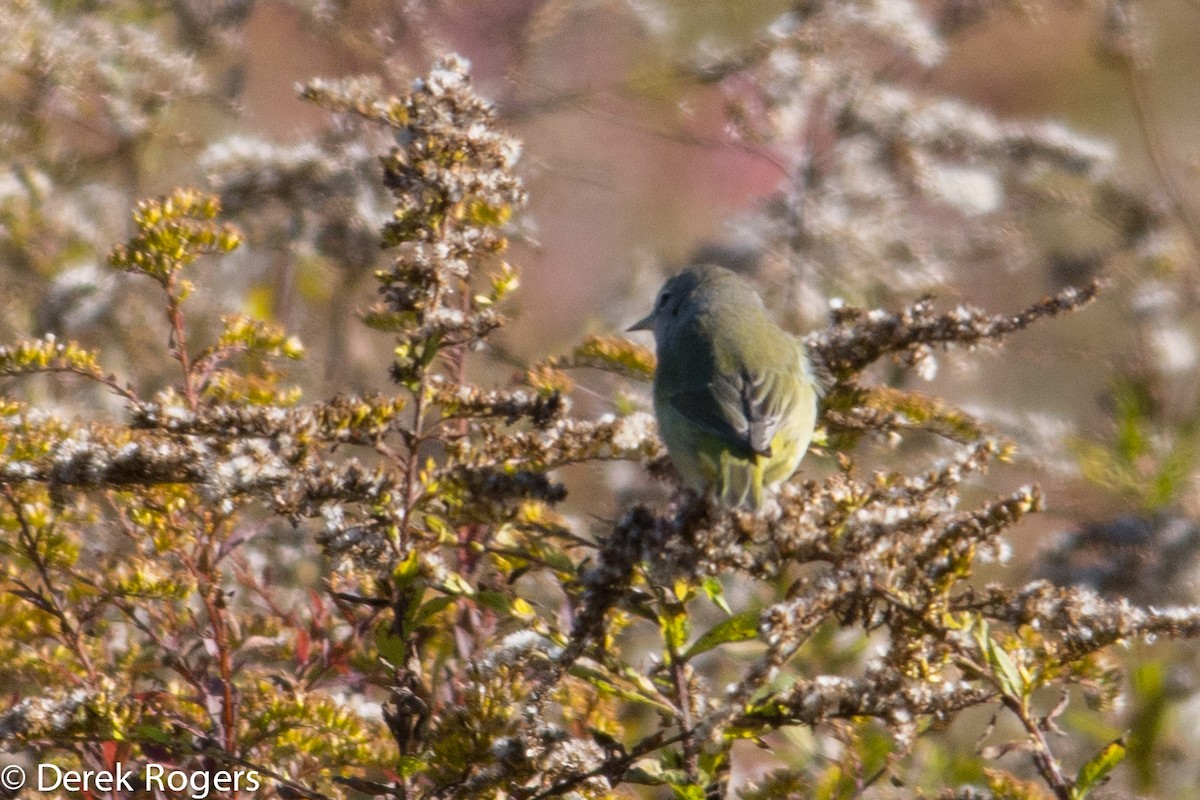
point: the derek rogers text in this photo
(152, 777)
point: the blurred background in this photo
(983, 153)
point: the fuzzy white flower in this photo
(971, 190)
(1174, 348)
(630, 432)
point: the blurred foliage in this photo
(1148, 460)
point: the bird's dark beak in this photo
(646, 323)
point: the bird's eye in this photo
(663, 298)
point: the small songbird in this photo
(734, 393)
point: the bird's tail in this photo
(741, 482)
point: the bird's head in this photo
(695, 289)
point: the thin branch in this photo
(1144, 116)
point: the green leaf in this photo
(607, 684)
(738, 628)
(1150, 707)
(411, 765)
(431, 607)
(716, 592)
(153, 733)
(496, 601)
(675, 628)
(557, 559)
(439, 528)
(457, 585)
(712, 761)
(687, 792)
(1096, 770)
(406, 571)
(1004, 669)
(391, 647)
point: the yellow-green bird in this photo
(733, 392)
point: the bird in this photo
(734, 393)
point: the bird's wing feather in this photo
(768, 398)
(744, 409)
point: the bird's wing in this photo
(744, 409)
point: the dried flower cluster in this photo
(890, 188)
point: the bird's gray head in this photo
(696, 289)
